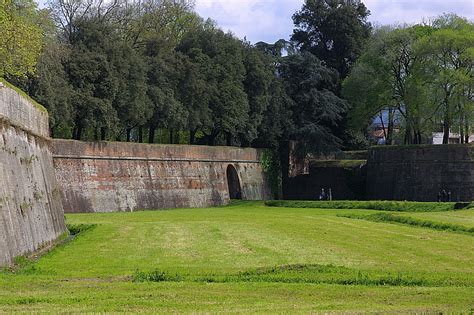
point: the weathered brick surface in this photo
(112, 176)
(31, 214)
(419, 173)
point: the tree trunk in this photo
(212, 138)
(467, 133)
(192, 136)
(446, 128)
(446, 122)
(390, 127)
(408, 134)
(151, 134)
(284, 153)
(383, 127)
(129, 134)
(77, 133)
(171, 138)
(140, 134)
(96, 134)
(103, 133)
(228, 139)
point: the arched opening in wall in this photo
(233, 182)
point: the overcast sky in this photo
(270, 20)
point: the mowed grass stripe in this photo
(463, 217)
(407, 220)
(95, 297)
(228, 243)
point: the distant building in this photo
(378, 130)
(453, 138)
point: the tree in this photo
(225, 72)
(93, 79)
(21, 38)
(316, 109)
(130, 102)
(195, 91)
(164, 74)
(388, 77)
(448, 57)
(333, 30)
(257, 83)
(53, 89)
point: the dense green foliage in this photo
(334, 31)
(247, 257)
(401, 206)
(421, 75)
(156, 72)
(20, 40)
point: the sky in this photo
(270, 20)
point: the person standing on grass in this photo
(322, 196)
(444, 195)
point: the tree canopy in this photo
(21, 37)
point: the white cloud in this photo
(267, 20)
(414, 11)
(270, 20)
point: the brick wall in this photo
(112, 176)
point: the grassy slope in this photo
(91, 273)
(462, 217)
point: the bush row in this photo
(401, 206)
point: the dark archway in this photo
(233, 182)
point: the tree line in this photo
(154, 71)
(421, 76)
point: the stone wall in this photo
(345, 178)
(111, 176)
(420, 172)
(31, 214)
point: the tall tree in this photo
(93, 78)
(387, 77)
(448, 62)
(21, 37)
(257, 83)
(228, 104)
(317, 110)
(333, 30)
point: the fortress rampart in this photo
(420, 172)
(31, 215)
(112, 176)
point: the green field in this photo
(248, 257)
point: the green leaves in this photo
(21, 38)
(421, 73)
(334, 31)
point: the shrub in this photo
(401, 206)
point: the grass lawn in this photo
(462, 217)
(249, 258)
